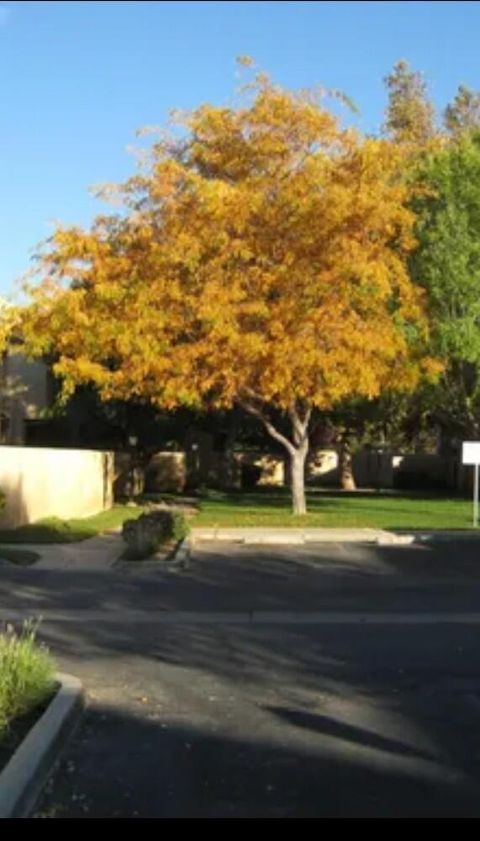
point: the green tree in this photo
(463, 114)
(410, 116)
(446, 263)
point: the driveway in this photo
(322, 681)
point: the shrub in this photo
(145, 535)
(179, 526)
(26, 674)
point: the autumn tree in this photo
(410, 116)
(259, 262)
(9, 321)
(463, 114)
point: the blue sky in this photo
(78, 78)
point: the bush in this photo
(179, 526)
(147, 534)
(26, 674)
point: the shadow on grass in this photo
(283, 494)
(54, 530)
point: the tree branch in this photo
(271, 429)
(299, 424)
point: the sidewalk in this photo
(299, 536)
(95, 553)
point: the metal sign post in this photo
(475, 497)
(471, 455)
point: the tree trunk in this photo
(229, 467)
(297, 479)
(347, 480)
(297, 448)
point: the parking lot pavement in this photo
(241, 719)
(214, 721)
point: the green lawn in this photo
(53, 530)
(337, 510)
(268, 508)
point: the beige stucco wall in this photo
(46, 482)
(370, 468)
(322, 466)
(272, 467)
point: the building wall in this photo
(47, 482)
(271, 468)
(322, 467)
(179, 471)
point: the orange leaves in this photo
(9, 323)
(264, 253)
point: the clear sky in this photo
(77, 79)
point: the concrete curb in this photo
(304, 537)
(23, 778)
(182, 555)
(443, 537)
(177, 558)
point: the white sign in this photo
(471, 455)
(471, 452)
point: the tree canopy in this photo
(260, 260)
(410, 116)
(446, 264)
(463, 114)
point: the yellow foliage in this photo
(262, 256)
(9, 322)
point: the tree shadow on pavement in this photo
(161, 768)
(258, 720)
(345, 731)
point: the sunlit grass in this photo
(26, 675)
(337, 510)
(54, 530)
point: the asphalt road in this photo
(322, 682)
